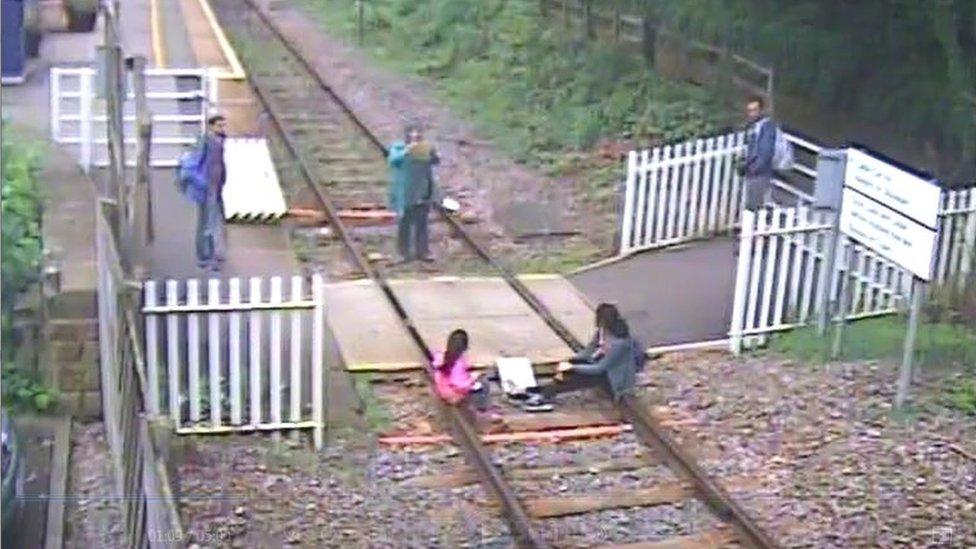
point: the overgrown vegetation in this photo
(19, 264)
(532, 88)
(377, 416)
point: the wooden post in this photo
(616, 26)
(648, 39)
(359, 21)
(905, 376)
(588, 19)
(142, 205)
(566, 13)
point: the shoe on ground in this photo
(535, 403)
(427, 259)
(517, 397)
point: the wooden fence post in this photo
(648, 40)
(588, 19)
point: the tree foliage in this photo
(909, 62)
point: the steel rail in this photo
(515, 514)
(649, 430)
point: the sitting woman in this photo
(609, 361)
(453, 379)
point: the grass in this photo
(377, 417)
(938, 345)
(941, 348)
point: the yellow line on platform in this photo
(237, 70)
(155, 26)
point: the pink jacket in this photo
(456, 384)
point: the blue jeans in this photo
(210, 230)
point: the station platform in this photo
(370, 336)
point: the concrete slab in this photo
(367, 330)
(672, 296)
(566, 303)
(497, 320)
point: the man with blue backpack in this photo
(767, 150)
(202, 176)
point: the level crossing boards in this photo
(370, 336)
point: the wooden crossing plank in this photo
(465, 475)
(560, 506)
(561, 420)
(360, 318)
(716, 537)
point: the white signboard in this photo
(889, 233)
(901, 191)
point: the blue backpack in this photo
(192, 173)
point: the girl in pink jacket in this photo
(452, 374)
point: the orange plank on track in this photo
(531, 436)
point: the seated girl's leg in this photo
(480, 397)
(571, 382)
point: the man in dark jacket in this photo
(210, 241)
(757, 168)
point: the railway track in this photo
(343, 164)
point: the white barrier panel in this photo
(219, 361)
(781, 268)
(681, 192)
(252, 192)
(179, 102)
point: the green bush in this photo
(20, 261)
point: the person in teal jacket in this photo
(412, 191)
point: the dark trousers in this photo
(412, 232)
(574, 382)
(756, 192)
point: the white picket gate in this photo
(178, 115)
(781, 273)
(232, 375)
(682, 192)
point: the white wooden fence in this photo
(781, 273)
(78, 118)
(682, 192)
(232, 375)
